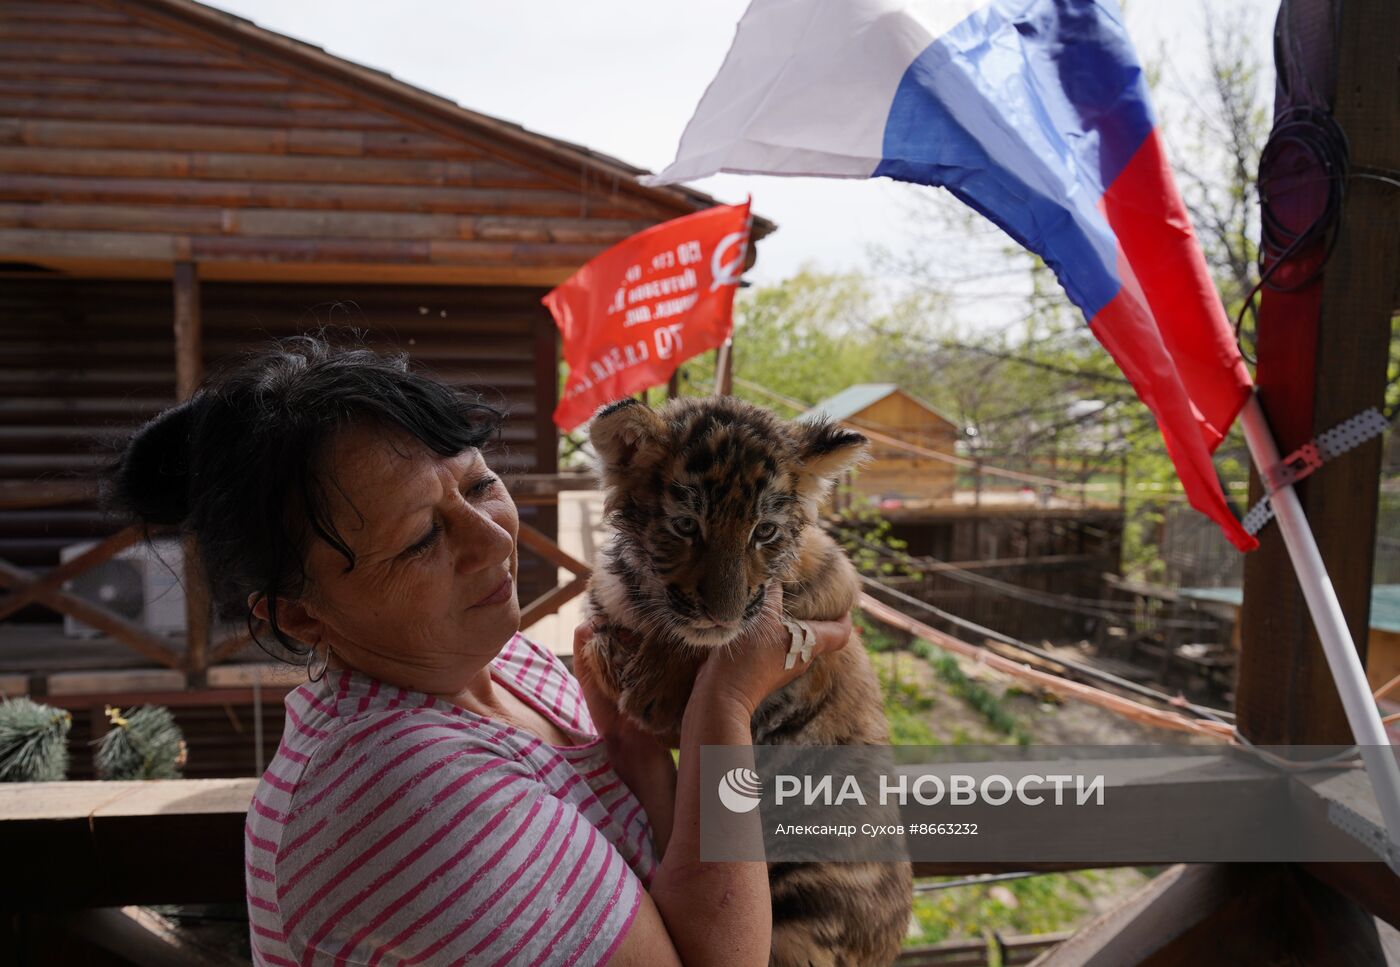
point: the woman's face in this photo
(432, 596)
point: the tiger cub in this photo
(709, 500)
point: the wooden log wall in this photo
(84, 362)
(136, 133)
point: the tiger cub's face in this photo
(709, 498)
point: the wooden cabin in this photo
(177, 183)
(1025, 541)
(894, 473)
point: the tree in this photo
(811, 336)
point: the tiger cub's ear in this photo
(824, 449)
(627, 436)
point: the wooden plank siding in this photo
(894, 472)
(139, 133)
(82, 362)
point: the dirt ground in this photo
(1047, 718)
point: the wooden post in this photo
(189, 357)
(546, 393)
(1313, 374)
(1322, 358)
(724, 369)
(1123, 483)
(673, 385)
(545, 516)
(189, 370)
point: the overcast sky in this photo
(623, 76)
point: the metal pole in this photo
(1355, 692)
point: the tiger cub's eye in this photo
(765, 531)
(686, 526)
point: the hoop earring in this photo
(325, 663)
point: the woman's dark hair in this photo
(238, 464)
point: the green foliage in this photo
(33, 741)
(1036, 904)
(811, 336)
(144, 743)
(877, 637)
(868, 540)
(906, 706)
(802, 338)
(974, 693)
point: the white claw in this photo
(797, 645)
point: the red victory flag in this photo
(633, 314)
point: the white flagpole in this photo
(1357, 699)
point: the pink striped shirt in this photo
(393, 827)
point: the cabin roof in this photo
(861, 396)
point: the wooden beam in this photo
(51, 245)
(131, 635)
(1316, 371)
(109, 264)
(124, 693)
(551, 601)
(103, 187)
(70, 837)
(546, 350)
(26, 494)
(53, 580)
(724, 369)
(1169, 904)
(189, 371)
(177, 840)
(93, 844)
(1241, 913)
(1323, 349)
(545, 488)
(189, 354)
(1340, 807)
(551, 551)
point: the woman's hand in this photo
(750, 669)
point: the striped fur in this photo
(710, 500)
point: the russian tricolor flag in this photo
(1035, 113)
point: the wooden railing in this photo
(25, 587)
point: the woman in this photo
(444, 792)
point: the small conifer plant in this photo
(143, 743)
(33, 741)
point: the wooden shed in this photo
(892, 472)
(177, 183)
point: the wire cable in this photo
(1201, 711)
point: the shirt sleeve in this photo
(423, 844)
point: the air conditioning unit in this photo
(142, 584)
